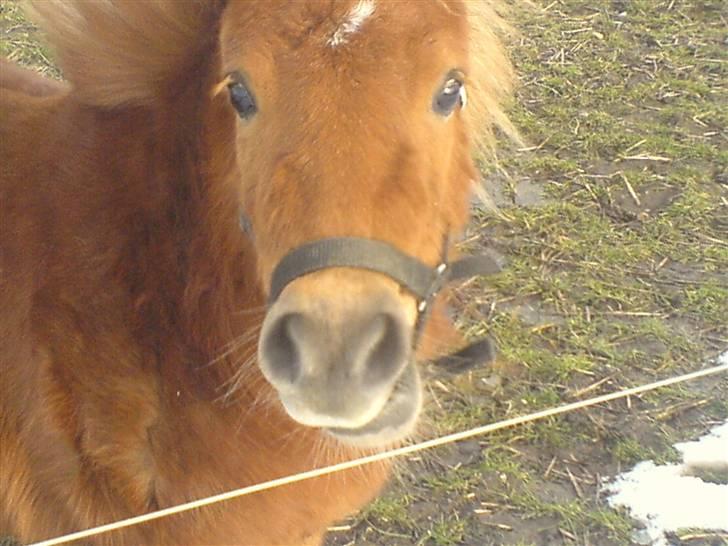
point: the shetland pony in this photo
(141, 366)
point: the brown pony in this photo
(140, 365)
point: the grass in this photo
(616, 275)
(574, 515)
(447, 532)
(21, 42)
(387, 510)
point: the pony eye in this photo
(241, 98)
(450, 95)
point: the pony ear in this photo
(440, 335)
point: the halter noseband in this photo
(423, 281)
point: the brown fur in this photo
(124, 277)
(27, 81)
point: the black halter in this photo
(423, 281)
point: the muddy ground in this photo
(613, 229)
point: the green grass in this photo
(388, 510)
(447, 532)
(575, 515)
(20, 40)
(629, 451)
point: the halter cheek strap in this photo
(423, 281)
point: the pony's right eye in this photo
(241, 97)
(451, 94)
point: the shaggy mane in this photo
(491, 79)
(117, 52)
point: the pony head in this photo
(351, 123)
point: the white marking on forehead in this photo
(354, 20)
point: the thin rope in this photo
(384, 455)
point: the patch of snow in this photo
(667, 497)
(709, 452)
(666, 500)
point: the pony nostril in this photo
(299, 352)
(280, 351)
(389, 350)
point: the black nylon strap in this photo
(472, 266)
(355, 252)
(422, 280)
(478, 353)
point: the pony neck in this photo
(204, 292)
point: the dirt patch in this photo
(650, 200)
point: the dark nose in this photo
(333, 371)
(298, 345)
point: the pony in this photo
(143, 361)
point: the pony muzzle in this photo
(345, 316)
(337, 347)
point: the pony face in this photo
(350, 124)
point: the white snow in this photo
(710, 451)
(669, 497)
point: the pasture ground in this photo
(613, 227)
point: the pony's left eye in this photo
(450, 95)
(241, 97)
